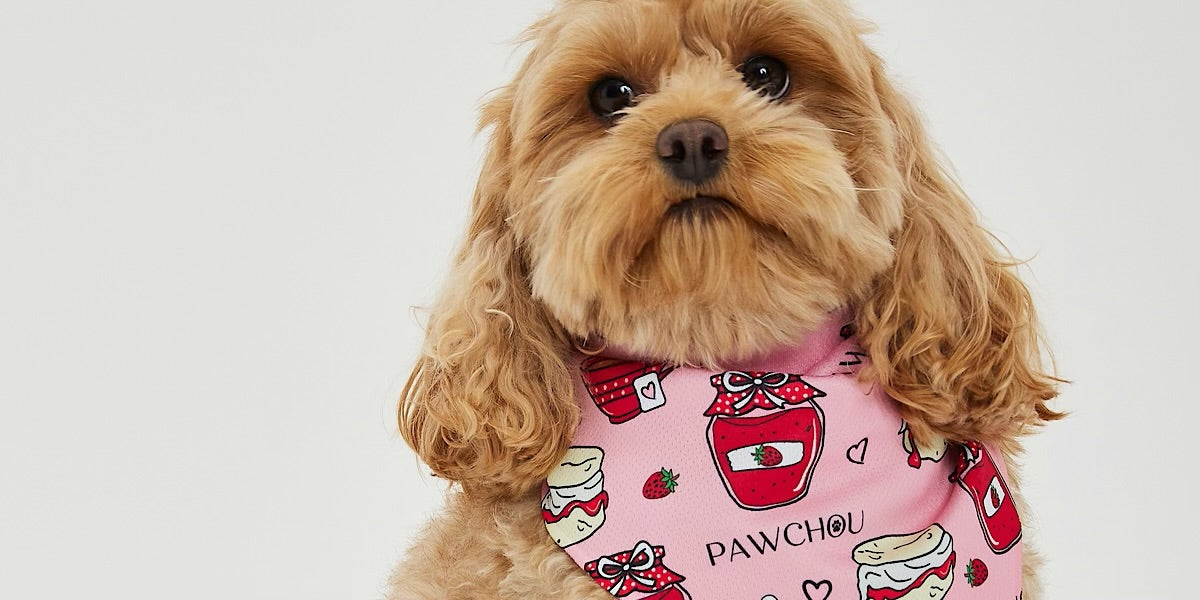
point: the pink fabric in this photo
(762, 481)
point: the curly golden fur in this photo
(835, 197)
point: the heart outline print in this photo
(818, 590)
(859, 449)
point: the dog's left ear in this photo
(951, 330)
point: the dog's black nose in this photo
(693, 150)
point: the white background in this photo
(216, 217)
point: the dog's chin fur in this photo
(706, 289)
(830, 196)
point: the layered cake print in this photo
(765, 436)
(933, 452)
(906, 567)
(573, 507)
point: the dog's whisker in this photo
(829, 129)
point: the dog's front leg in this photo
(456, 557)
(539, 568)
(489, 550)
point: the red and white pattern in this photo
(623, 389)
(765, 507)
(741, 392)
(978, 474)
(786, 426)
(637, 570)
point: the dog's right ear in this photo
(490, 403)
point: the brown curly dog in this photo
(821, 190)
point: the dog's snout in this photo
(693, 150)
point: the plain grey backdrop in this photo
(215, 217)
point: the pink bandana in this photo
(782, 479)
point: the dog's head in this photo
(698, 182)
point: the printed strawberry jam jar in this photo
(624, 389)
(765, 436)
(978, 475)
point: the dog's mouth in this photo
(699, 207)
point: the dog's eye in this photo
(610, 96)
(766, 75)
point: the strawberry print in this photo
(748, 503)
(977, 572)
(660, 484)
(768, 456)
